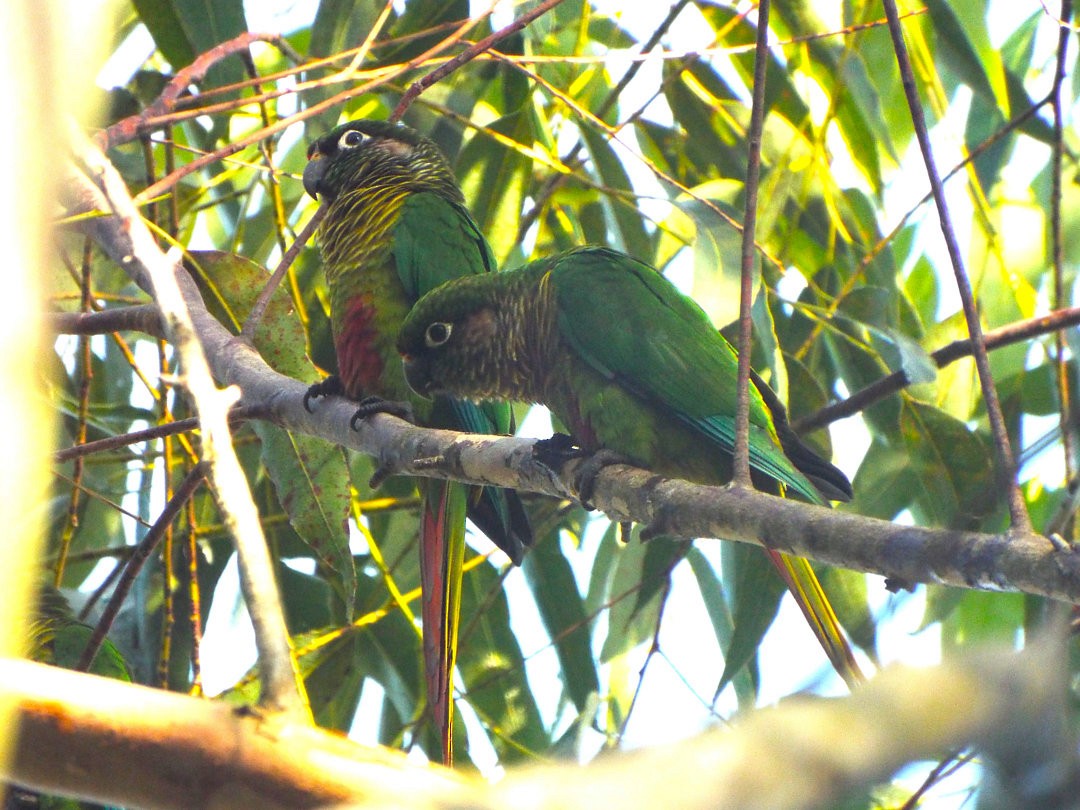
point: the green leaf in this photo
(717, 250)
(163, 22)
(493, 669)
(629, 226)
(723, 625)
(638, 587)
(493, 177)
(954, 467)
(755, 590)
(310, 476)
(69, 640)
(964, 48)
(563, 613)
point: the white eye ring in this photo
(437, 334)
(351, 138)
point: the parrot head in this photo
(446, 342)
(356, 151)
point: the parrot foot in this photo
(586, 473)
(556, 451)
(657, 527)
(553, 453)
(369, 406)
(331, 386)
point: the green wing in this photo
(634, 327)
(437, 240)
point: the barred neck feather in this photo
(523, 306)
(371, 187)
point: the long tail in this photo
(442, 552)
(812, 601)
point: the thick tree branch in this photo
(140, 747)
(905, 553)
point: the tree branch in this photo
(139, 747)
(1018, 513)
(740, 462)
(142, 318)
(477, 48)
(125, 238)
(950, 353)
(134, 564)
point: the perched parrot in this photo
(396, 227)
(630, 365)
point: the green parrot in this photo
(630, 365)
(396, 227)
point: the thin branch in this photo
(166, 183)
(256, 314)
(236, 415)
(741, 455)
(130, 128)
(141, 318)
(1019, 518)
(556, 181)
(950, 353)
(1057, 241)
(445, 69)
(127, 240)
(135, 563)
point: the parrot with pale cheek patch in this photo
(630, 365)
(396, 227)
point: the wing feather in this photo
(675, 358)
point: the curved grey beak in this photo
(313, 174)
(416, 375)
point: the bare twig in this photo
(141, 318)
(255, 316)
(135, 563)
(133, 126)
(127, 240)
(1064, 379)
(138, 436)
(445, 69)
(879, 389)
(166, 183)
(741, 455)
(1019, 518)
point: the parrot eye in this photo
(437, 334)
(353, 137)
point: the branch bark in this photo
(143, 318)
(140, 747)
